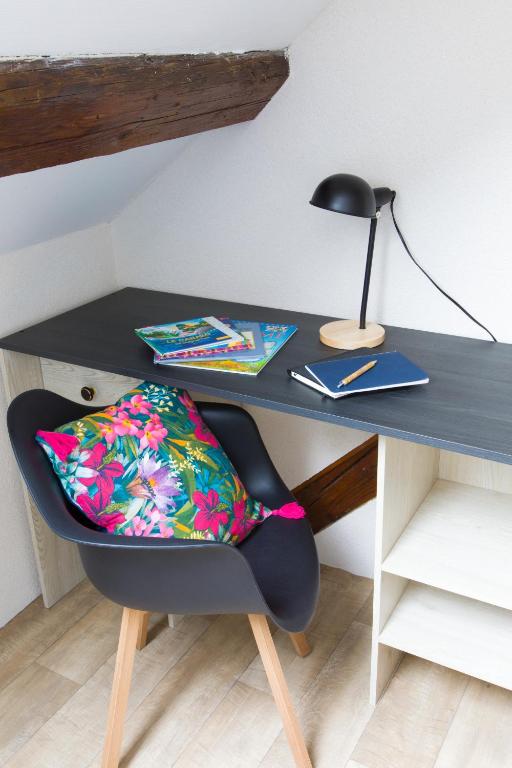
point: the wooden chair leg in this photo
(300, 643)
(279, 688)
(128, 636)
(142, 635)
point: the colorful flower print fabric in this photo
(150, 466)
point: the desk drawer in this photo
(69, 380)
(84, 385)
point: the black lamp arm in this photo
(383, 196)
(368, 271)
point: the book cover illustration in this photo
(203, 332)
(250, 348)
(275, 335)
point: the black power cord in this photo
(447, 295)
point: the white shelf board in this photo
(463, 634)
(460, 540)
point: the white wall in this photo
(36, 283)
(412, 95)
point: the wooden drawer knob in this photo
(87, 393)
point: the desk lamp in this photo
(344, 193)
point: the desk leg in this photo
(405, 474)
(58, 561)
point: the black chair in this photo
(274, 572)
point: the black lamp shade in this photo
(345, 193)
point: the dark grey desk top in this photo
(467, 407)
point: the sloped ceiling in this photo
(51, 202)
(61, 27)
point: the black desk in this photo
(467, 407)
(444, 491)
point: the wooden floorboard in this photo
(480, 733)
(365, 615)
(335, 709)
(35, 629)
(411, 720)
(27, 703)
(200, 698)
(246, 719)
(73, 736)
(87, 645)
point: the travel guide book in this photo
(250, 348)
(391, 370)
(198, 333)
(275, 335)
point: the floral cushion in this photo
(149, 466)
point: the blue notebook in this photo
(392, 370)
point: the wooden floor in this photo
(200, 697)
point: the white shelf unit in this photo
(460, 539)
(443, 563)
(457, 632)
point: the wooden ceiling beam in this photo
(58, 111)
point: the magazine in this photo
(198, 333)
(251, 348)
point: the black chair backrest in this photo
(41, 409)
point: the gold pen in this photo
(357, 374)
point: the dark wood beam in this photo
(58, 111)
(341, 487)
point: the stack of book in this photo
(217, 343)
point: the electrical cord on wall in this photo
(447, 295)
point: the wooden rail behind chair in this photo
(58, 111)
(341, 487)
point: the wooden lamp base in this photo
(346, 334)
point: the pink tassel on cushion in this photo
(292, 510)
(61, 443)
